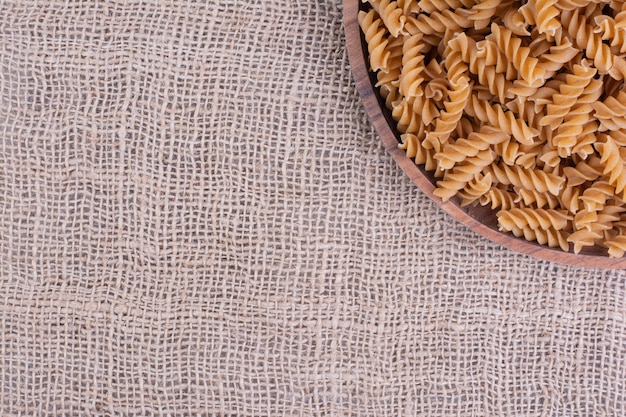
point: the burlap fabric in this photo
(197, 218)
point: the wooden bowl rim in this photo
(371, 101)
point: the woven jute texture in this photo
(197, 218)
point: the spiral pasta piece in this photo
(412, 144)
(613, 162)
(391, 14)
(528, 155)
(571, 129)
(610, 124)
(462, 55)
(531, 179)
(386, 81)
(461, 149)
(542, 96)
(550, 156)
(579, 125)
(584, 142)
(557, 56)
(534, 198)
(583, 238)
(434, 70)
(525, 110)
(455, 179)
(616, 246)
(408, 120)
(481, 12)
(607, 217)
(466, 127)
(569, 91)
(393, 68)
(609, 109)
(509, 151)
(412, 66)
(583, 36)
(551, 238)
(430, 6)
(375, 36)
(426, 109)
(456, 65)
(450, 117)
(586, 170)
(588, 221)
(533, 218)
(585, 219)
(569, 198)
(475, 189)
(504, 120)
(608, 31)
(514, 21)
(540, 44)
(529, 11)
(498, 198)
(492, 56)
(437, 23)
(437, 89)
(519, 55)
(595, 197)
(546, 17)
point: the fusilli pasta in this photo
(516, 105)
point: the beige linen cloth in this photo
(197, 218)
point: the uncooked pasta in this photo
(515, 105)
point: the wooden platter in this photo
(480, 219)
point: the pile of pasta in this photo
(519, 105)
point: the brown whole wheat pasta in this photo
(527, 113)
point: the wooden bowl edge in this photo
(370, 101)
